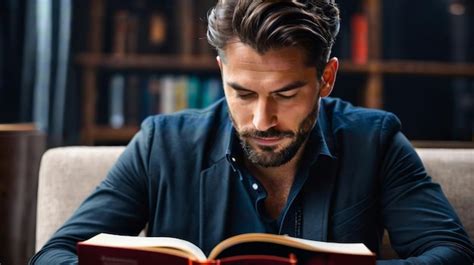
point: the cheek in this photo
(240, 113)
(292, 116)
(289, 119)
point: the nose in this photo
(264, 116)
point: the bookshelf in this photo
(151, 62)
(190, 58)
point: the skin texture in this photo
(273, 100)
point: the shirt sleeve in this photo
(119, 205)
(422, 225)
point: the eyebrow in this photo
(290, 86)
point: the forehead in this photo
(238, 54)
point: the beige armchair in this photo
(67, 175)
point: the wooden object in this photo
(21, 147)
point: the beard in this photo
(269, 156)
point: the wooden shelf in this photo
(148, 61)
(442, 144)
(17, 127)
(105, 133)
(410, 68)
(207, 63)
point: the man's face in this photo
(273, 101)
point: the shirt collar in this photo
(317, 145)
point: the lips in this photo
(267, 141)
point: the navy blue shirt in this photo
(181, 176)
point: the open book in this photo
(255, 248)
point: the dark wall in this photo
(11, 46)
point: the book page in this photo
(340, 248)
(147, 242)
(304, 244)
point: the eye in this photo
(245, 95)
(286, 94)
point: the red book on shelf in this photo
(262, 249)
(359, 38)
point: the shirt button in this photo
(255, 186)
(233, 159)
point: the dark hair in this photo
(263, 25)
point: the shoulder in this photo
(188, 129)
(343, 115)
(190, 121)
(348, 123)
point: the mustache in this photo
(272, 132)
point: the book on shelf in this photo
(359, 38)
(181, 93)
(157, 29)
(132, 34)
(168, 94)
(254, 248)
(159, 33)
(212, 90)
(184, 19)
(193, 85)
(149, 95)
(119, 44)
(154, 95)
(116, 101)
(132, 97)
(132, 100)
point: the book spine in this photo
(212, 92)
(181, 93)
(154, 89)
(146, 99)
(167, 94)
(193, 92)
(120, 33)
(131, 98)
(157, 29)
(116, 97)
(184, 16)
(132, 34)
(360, 38)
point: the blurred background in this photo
(88, 72)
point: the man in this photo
(276, 156)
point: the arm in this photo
(118, 205)
(422, 225)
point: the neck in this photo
(277, 182)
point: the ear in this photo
(219, 62)
(329, 77)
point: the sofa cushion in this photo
(68, 174)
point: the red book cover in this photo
(359, 38)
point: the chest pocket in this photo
(352, 223)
